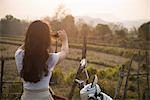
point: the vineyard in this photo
(105, 43)
(103, 59)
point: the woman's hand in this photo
(62, 35)
(64, 48)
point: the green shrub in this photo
(91, 70)
(132, 95)
(133, 78)
(107, 86)
(70, 77)
(101, 74)
(57, 76)
(132, 87)
(109, 73)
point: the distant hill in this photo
(94, 21)
(134, 23)
(90, 20)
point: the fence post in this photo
(1, 79)
(138, 78)
(127, 79)
(118, 87)
(147, 76)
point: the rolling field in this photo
(100, 58)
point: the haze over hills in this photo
(134, 23)
(90, 20)
(94, 21)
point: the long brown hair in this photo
(37, 42)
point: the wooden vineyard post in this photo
(138, 81)
(81, 67)
(147, 76)
(127, 79)
(121, 76)
(1, 79)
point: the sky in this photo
(109, 10)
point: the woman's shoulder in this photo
(54, 54)
(18, 58)
(19, 53)
(53, 57)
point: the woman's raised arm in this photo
(64, 48)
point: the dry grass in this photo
(106, 57)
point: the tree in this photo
(144, 32)
(11, 25)
(133, 33)
(121, 37)
(103, 32)
(9, 17)
(68, 23)
(61, 12)
(55, 25)
(144, 35)
(84, 29)
(0, 27)
(121, 33)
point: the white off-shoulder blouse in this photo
(44, 82)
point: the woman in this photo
(35, 62)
